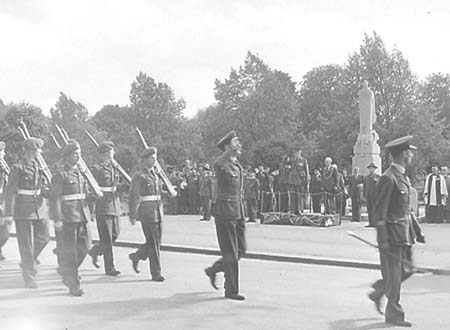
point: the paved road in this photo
(279, 296)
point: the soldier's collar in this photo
(399, 168)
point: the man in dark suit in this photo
(356, 187)
(330, 186)
(229, 216)
(395, 231)
(370, 182)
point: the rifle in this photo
(124, 173)
(23, 129)
(159, 169)
(84, 169)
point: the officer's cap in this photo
(2, 145)
(400, 144)
(226, 140)
(372, 165)
(148, 152)
(105, 146)
(70, 147)
(33, 143)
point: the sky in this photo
(92, 50)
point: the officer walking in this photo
(229, 216)
(107, 208)
(69, 210)
(24, 195)
(4, 225)
(396, 232)
(145, 205)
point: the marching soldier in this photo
(69, 210)
(4, 225)
(145, 205)
(24, 195)
(229, 216)
(107, 208)
(396, 231)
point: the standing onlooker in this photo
(356, 187)
(192, 187)
(435, 195)
(283, 184)
(251, 189)
(298, 182)
(330, 183)
(444, 172)
(316, 190)
(370, 182)
(341, 198)
(263, 179)
(205, 192)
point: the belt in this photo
(72, 197)
(108, 189)
(28, 192)
(149, 198)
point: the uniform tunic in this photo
(23, 201)
(146, 206)
(68, 204)
(107, 211)
(395, 235)
(229, 220)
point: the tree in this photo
(68, 113)
(153, 105)
(389, 76)
(435, 94)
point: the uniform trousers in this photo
(251, 208)
(206, 207)
(330, 202)
(32, 237)
(296, 196)
(4, 234)
(151, 248)
(76, 240)
(370, 211)
(108, 231)
(394, 272)
(233, 245)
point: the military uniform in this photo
(146, 206)
(298, 184)
(68, 204)
(6, 225)
(24, 200)
(251, 190)
(395, 234)
(206, 194)
(107, 212)
(283, 186)
(229, 220)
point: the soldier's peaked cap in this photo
(70, 147)
(33, 143)
(400, 144)
(226, 140)
(372, 165)
(105, 146)
(148, 152)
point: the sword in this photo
(415, 269)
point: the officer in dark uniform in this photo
(4, 225)
(24, 196)
(107, 208)
(395, 230)
(68, 208)
(229, 216)
(146, 206)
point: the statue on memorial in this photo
(367, 115)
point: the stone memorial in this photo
(366, 149)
